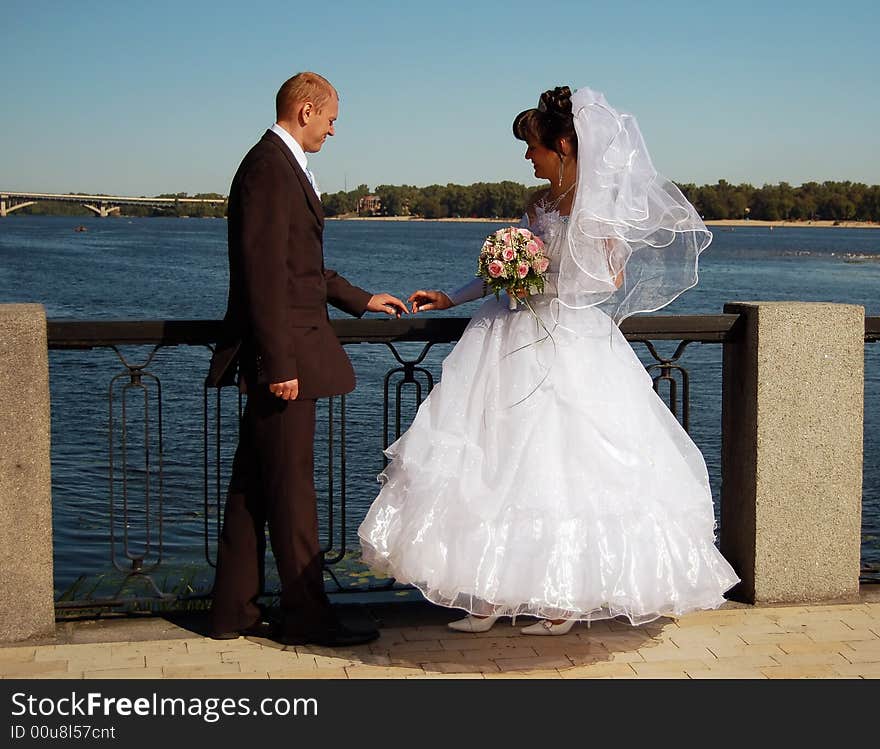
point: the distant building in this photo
(369, 205)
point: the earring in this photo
(561, 170)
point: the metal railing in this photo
(141, 559)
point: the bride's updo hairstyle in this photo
(550, 121)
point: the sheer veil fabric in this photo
(625, 218)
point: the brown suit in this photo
(276, 329)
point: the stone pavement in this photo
(829, 641)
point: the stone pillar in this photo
(27, 606)
(792, 415)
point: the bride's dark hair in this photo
(551, 121)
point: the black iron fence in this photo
(136, 450)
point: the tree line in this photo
(480, 200)
(811, 201)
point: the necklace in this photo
(548, 206)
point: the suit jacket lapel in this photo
(311, 197)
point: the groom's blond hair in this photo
(301, 88)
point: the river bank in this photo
(724, 223)
(717, 222)
(797, 224)
(418, 219)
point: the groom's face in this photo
(320, 125)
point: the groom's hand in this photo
(386, 303)
(422, 300)
(285, 390)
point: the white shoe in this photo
(546, 627)
(473, 624)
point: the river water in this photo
(169, 268)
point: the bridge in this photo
(101, 205)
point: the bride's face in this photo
(544, 160)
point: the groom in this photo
(277, 331)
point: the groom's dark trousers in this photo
(276, 329)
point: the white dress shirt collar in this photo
(298, 153)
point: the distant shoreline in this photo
(718, 222)
(730, 224)
(796, 224)
(417, 219)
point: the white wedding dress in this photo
(544, 476)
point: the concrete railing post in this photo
(792, 415)
(27, 606)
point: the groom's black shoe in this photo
(335, 635)
(260, 628)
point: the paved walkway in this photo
(770, 642)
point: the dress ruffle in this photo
(544, 476)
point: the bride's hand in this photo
(422, 300)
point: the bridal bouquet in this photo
(513, 260)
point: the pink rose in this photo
(508, 254)
(524, 233)
(496, 269)
(533, 248)
(522, 270)
(540, 264)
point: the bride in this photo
(543, 475)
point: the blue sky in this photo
(167, 96)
